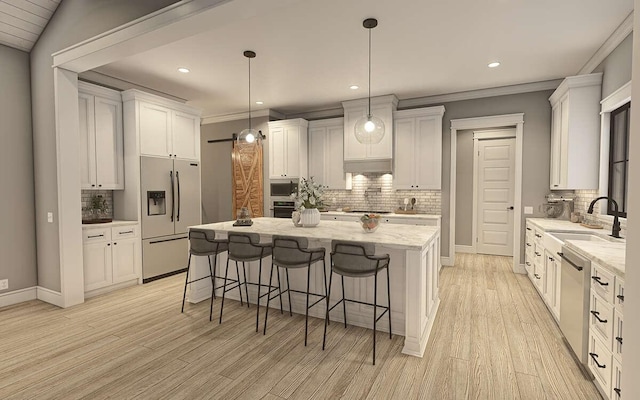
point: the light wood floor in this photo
(493, 339)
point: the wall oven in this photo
(283, 188)
(283, 209)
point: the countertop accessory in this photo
(413, 202)
(406, 203)
(244, 218)
(370, 222)
(295, 217)
(401, 211)
(369, 129)
(591, 226)
(98, 208)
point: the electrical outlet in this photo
(4, 284)
(50, 217)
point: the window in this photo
(619, 159)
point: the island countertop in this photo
(395, 236)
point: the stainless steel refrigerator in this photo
(170, 204)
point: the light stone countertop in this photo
(387, 235)
(609, 255)
(391, 214)
(109, 224)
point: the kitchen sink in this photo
(563, 237)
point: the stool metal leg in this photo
(375, 312)
(306, 311)
(186, 280)
(344, 303)
(239, 290)
(213, 274)
(266, 313)
(324, 272)
(258, 299)
(213, 288)
(279, 289)
(326, 318)
(289, 292)
(224, 290)
(389, 300)
(246, 285)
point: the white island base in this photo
(414, 270)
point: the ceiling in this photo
(310, 52)
(22, 21)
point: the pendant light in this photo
(250, 135)
(369, 129)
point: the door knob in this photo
(510, 208)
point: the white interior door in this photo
(495, 161)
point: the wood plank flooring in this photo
(493, 339)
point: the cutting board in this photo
(591, 226)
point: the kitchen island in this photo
(414, 268)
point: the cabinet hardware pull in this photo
(617, 391)
(621, 297)
(125, 232)
(538, 236)
(537, 276)
(528, 229)
(108, 244)
(594, 357)
(619, 339)
(528, 263)
(93, 185)
(537, 254)
(597, 279)
(579, 268)
(551, 259)
(115, 243)
(596, 314)
(95, 236)
(99, 185)
(529, 244)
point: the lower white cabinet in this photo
(543, 267)
(111, 255)
(391, 219)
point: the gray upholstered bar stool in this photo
(203, 243)
(294, 252)
(246, 247)
(358, 260)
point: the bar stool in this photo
(358, 260)
(245, 247)
(294, 252)
(203, 243)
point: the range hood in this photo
(361, 166)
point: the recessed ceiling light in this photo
(354, 87)
(183, 70)
(493, 64)
(259, 103)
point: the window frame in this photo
(626, 108)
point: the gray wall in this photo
(216, 166)
(73, 21)
(464, 187)
(17, 229)
(536, 146)
(616, 67)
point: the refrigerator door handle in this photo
(172, 195)
(178, 181)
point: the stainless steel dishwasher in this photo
(574, 302)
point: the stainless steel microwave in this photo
(283, 188)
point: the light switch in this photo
(50, 217)
(528, 210)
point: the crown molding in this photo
(487, 122)
(609, 45)
(319, 114)
(319, 123)
(138, 95)
(267, 112)
(573, 82)
(120, 85)
(420, 112)
(617, 98)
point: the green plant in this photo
(97, 204)
(309, 194)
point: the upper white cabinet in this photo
(166, 128)
(288, 148)
(101, 140)
(575, 133)
(418, 148)
(383, 108)
(326, 151)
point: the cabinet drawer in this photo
(96, 235)
(602, 281)
(601, 318)
(124, 232)
(600, 363)
(616, 380)
(617, 335)
(537, 235)
(618, 298)
(528, 264)
(538, 254)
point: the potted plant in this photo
(97, 208)
(307, 200)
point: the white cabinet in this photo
(575, 133)
(326, 152)
(166, 128)
(112, 255)
(383, 108)
(288, 149)
(101, 137)
(418, 148)
(543, 266)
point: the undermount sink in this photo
(563, 237)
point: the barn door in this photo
(247, 178)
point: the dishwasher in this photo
(574, 302)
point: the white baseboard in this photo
(462, 248)
(520, 269)
(448, 261)
(18, 296)
(50, 296)
(121, 285)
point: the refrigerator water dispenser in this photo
(156, 204)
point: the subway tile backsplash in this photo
(375, 192)
(86, 201)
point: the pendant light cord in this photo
(369, 114)
(249, 93)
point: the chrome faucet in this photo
(615, 229)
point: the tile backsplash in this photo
(375, 192)
(86, 201)
(581, 204)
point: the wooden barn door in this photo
(247, 179)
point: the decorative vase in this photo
(295, 217)
(310, 217)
